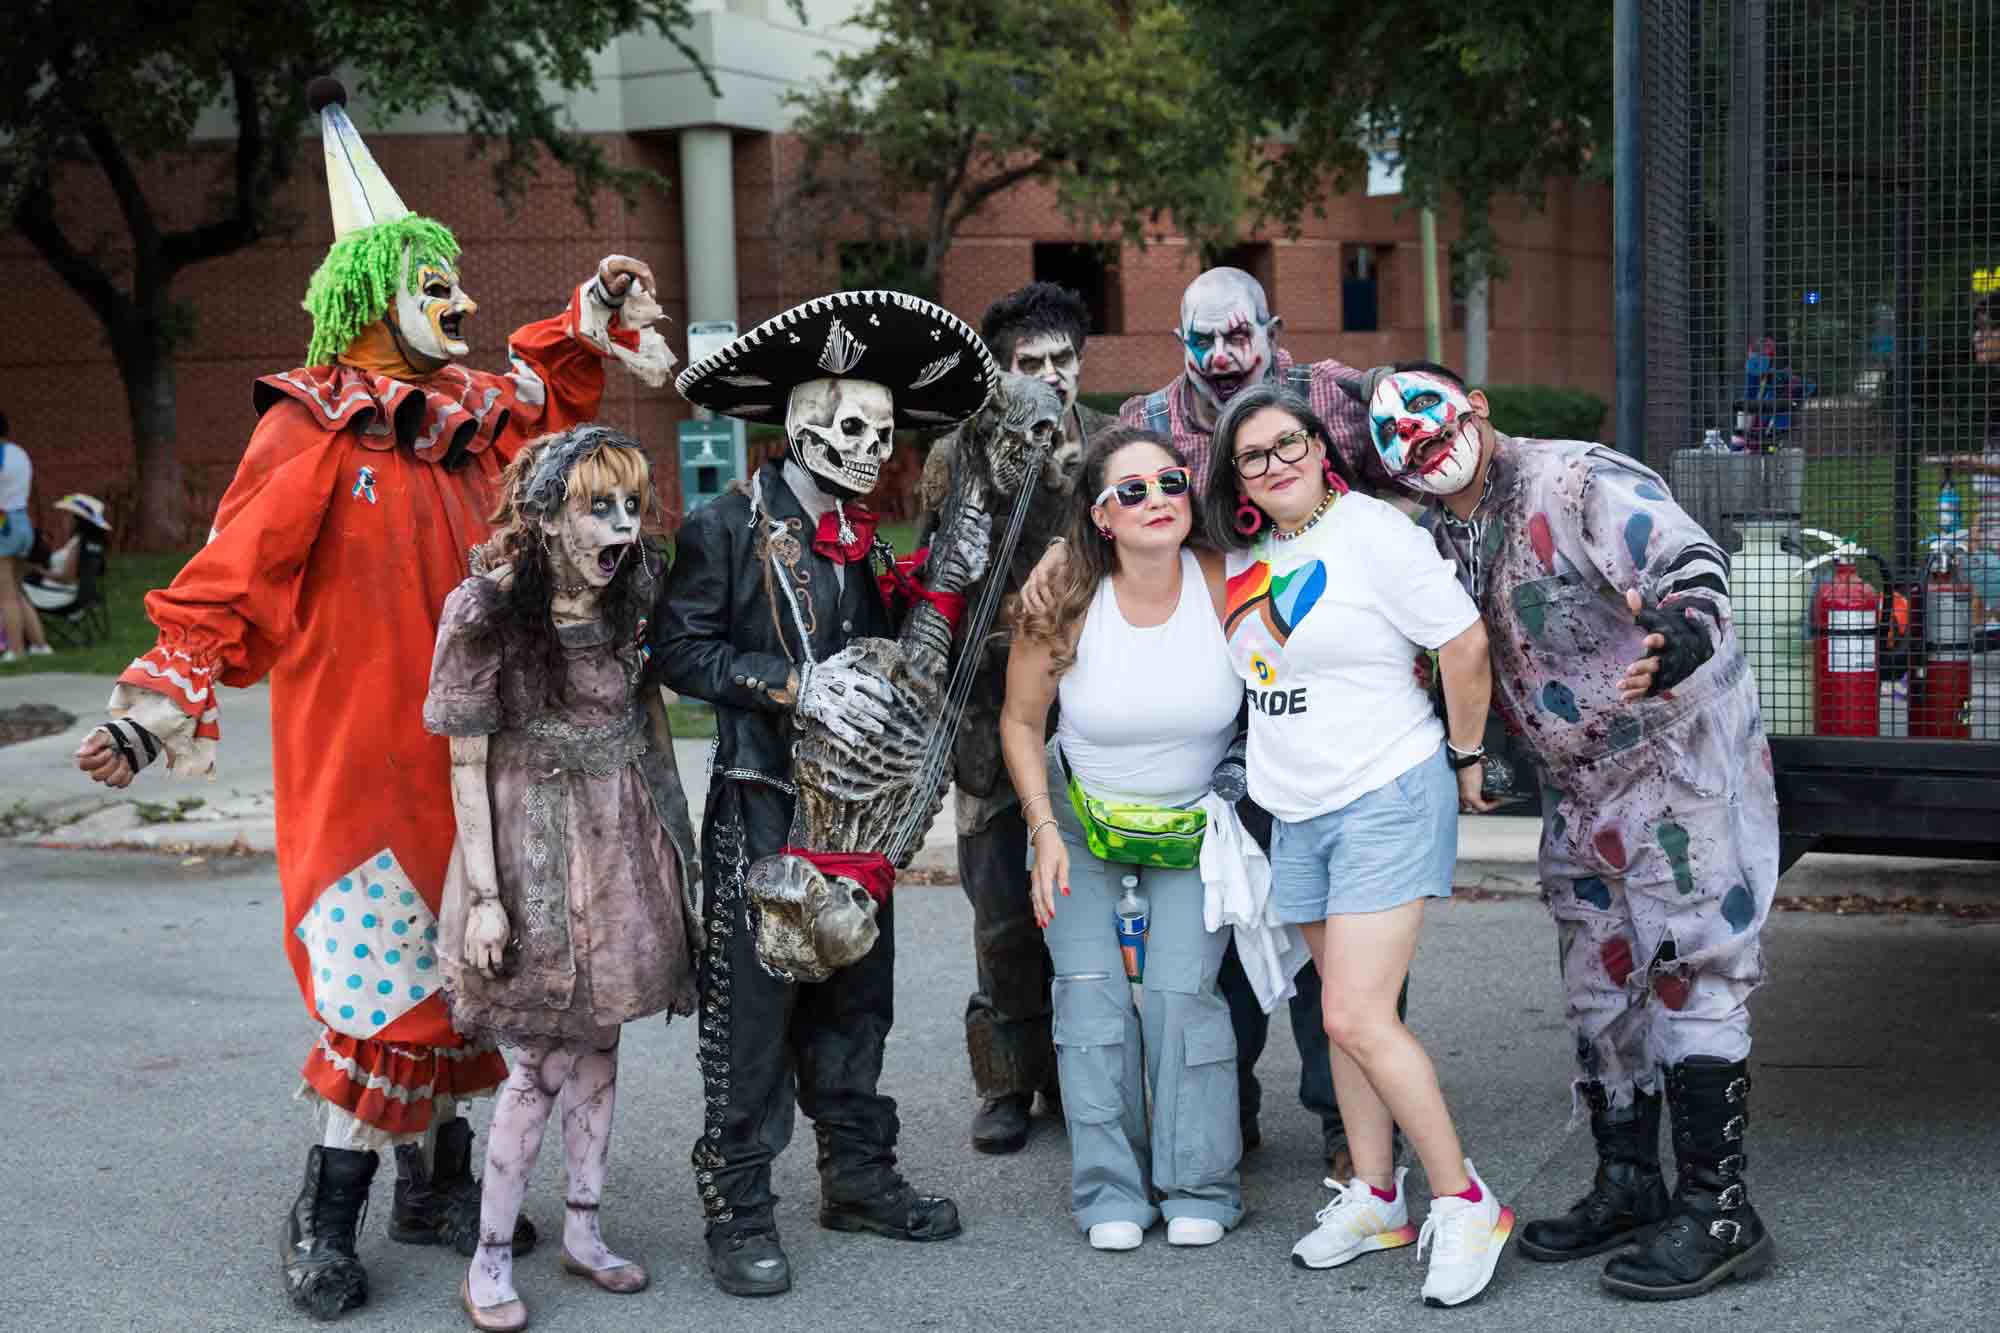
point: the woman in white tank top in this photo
(1134, 649)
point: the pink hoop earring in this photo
(1333, 481)
(1249, 518)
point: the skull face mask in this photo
(1030, 418)
(431, 309)
(809, 924)
(842, 432)
(1423, 427)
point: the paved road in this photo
(150, 1142)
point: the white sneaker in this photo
(1116, 1236)
(1469, 1238)
(40, 650)
(1193, 1231)
(1355, 1223)
(9, 657)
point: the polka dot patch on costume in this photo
(389, 958)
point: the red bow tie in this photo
(827, 539)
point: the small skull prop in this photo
(808, 924)
(1029, 417)
(842, 431)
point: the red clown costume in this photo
(366, 481)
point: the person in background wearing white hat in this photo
(371, 472)
(88, 524)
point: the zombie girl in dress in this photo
(567, 903)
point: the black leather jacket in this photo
(722, 629)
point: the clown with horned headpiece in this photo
(368, 478)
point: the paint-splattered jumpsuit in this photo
(1659, 852)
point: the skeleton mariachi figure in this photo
(1614, 653)
(368, 477)
(770, 590)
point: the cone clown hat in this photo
(378, 243)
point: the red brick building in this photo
(1348, 287)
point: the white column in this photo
(708, 222)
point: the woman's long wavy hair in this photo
(1088, 559)
(529, 625)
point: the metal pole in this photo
(1628, 230)
(1427, 231)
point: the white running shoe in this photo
(1116, 1236)
(1193, 1231)
(1466, 1240)
(40, 650)
(9, 657)
(1355, 1223)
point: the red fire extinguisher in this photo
(1941, 693)
(1847, 696)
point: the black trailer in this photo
(1808, 318)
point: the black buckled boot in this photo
(1626, 1200)
(1711, 1233)
(441, 1207)
(316, 1246)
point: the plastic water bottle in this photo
(1948, 510)
(1133, 921)
(1712, 439)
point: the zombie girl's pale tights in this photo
(585, 1077)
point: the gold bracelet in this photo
(1038, 796)
(1046, 823)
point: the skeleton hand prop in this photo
(1230, 781)
(841, 696)
(486, 929)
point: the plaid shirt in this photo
(1346, 421)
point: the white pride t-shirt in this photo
(1325, 631)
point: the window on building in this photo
(1361, 266)
(1092, 272)
(1253, 258)
(896, 266)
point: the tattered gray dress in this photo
(590, 829)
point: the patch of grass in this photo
(167, 812)
(130, 578)
(692, 719)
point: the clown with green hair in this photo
(370, 475)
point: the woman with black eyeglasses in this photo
(1132, 645)
(1330, 594)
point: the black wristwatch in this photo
(1462, 759)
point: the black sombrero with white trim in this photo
(934, 364)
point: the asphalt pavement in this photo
(152, 1141)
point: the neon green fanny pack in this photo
(1166, 837)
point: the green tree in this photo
(1477, 100)
(117, 84)
(957, 100)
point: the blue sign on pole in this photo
(711, 456)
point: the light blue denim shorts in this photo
(17, 535)
(1394, 845)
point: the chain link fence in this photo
(1822, 235)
